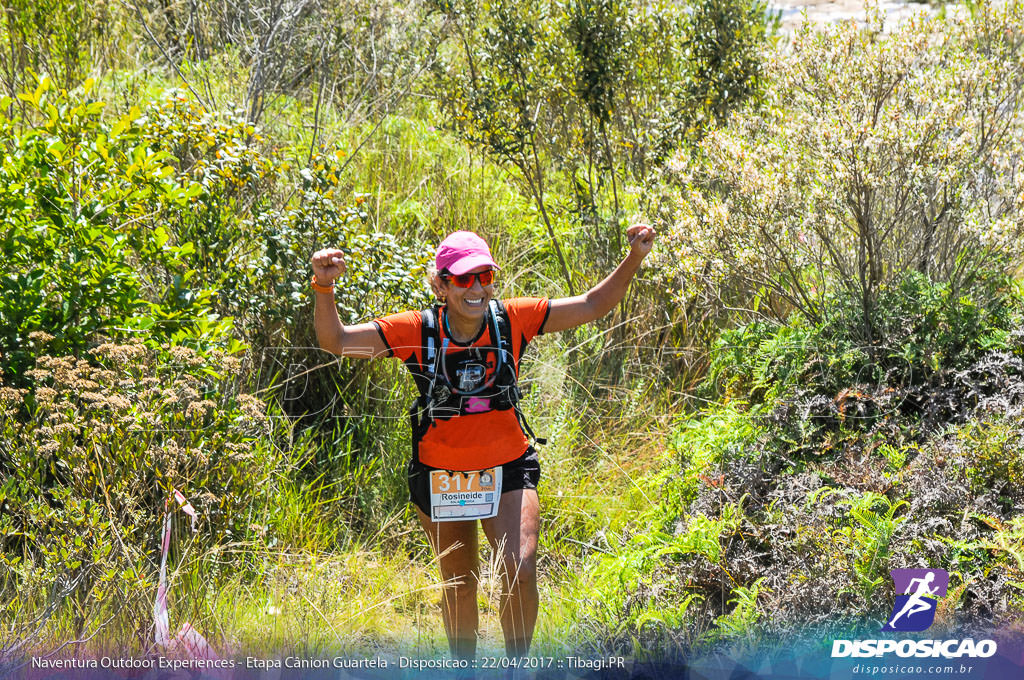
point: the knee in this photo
(521, 571)
(460, 585)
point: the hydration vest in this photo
(443, 396)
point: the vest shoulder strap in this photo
(430, 340)
(504, 338)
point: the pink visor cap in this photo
(461, 252)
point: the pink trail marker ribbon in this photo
(188, 641)
(186, 507)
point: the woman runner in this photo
(467, 429)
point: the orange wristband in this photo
(321, 289)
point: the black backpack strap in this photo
(425, 371)
(527, 430)
(430, 341)
(504, 340)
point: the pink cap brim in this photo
(464, 264)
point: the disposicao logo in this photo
(917, 595)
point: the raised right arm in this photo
(359, 340)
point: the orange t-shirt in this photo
(470, 441)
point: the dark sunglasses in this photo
(466, 280)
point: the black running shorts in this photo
(521, 473)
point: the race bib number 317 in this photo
(460, 496)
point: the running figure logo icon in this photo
(918, 592)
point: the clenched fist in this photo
(328, 264)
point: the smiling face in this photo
(467, 306)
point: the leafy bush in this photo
(80, 204)
(873, 519)
(814, 543)
(170, 220)
(254, 219)
(935, 361)
(720, 442)
(175, 225)
(998, 466)
(589, 100)
(875, 155)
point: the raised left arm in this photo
(566, 313)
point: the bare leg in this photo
(455, 543)
(513, 535)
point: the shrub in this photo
(358, 59)
(590, 98)
(927, 337)
(89, 456)
(876, 154)
(171, 220)
(80, 201)
(642, 598)
(997, 466)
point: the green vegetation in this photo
(820, 377)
